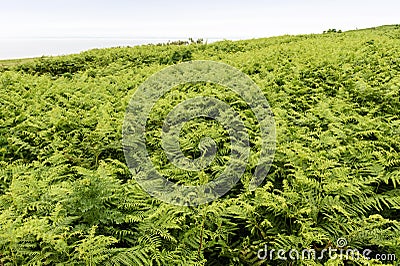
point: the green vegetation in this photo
(13, 62)
(67, 197)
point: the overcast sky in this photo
(177, 18)
(31, 28)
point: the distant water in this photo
(36, 47)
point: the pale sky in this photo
(177, 18)
(31, 28)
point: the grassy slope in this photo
(14, 62)
(66, 195)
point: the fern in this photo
(67, 196)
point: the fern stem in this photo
(201, 235)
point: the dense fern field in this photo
(67, 196)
